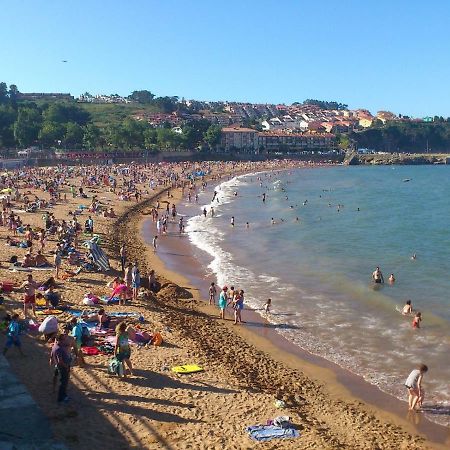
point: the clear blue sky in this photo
(383, 54)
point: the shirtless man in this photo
(29, 297)
(377, 276)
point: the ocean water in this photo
(317, 269)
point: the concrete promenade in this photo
(23, 426)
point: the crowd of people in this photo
(56, 245)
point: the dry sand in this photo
(156, 409)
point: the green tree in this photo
(3, 93)
(144, 96)
(27, 125)
(74, 135)
(150, 138)
(13, 94)
(133, 133)
(8, 116)
(115, 136)
(193, 132)
(213, 135)
(92, 137)
(63, 113)
(51, 133)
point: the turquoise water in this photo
(317, 270)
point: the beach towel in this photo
(90, 351)
(262, 433)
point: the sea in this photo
(312, 246)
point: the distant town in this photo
(61, 122)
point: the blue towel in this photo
(269, 432)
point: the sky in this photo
(380, 55)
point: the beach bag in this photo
(115, 367)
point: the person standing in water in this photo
(232, 221)
(212, 294)
(223, 301)
(414, 385)
(377, 276)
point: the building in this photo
(44, 96)
(247, 139)
(365, 122)
(239, 138)
(282, 141)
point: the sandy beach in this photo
(244, 373)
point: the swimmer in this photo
(377, 276)
(391, 278)
(417, 320)
(297, 219)
(264, 197)
(247, 225)
(272, 221)
(413, 257)
(407, 309)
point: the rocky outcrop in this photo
(376, 159)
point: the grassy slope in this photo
(105, 114)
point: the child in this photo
(267, 305)
(407, 309)
(414, 386)
(13, 335)
(212, 294)
(417, 320)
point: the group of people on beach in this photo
(124, 183)
(228, 298)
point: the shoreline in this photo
(178, 264)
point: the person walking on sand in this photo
(212, 294)
(122, 349)
(223, 300)
(154, 242)
(238, 306)
(29, 297)
(135, 280)
(267, 305)
(60, 359)
(377, 276)
(414, 385)
(123, 257)
(57, 261)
